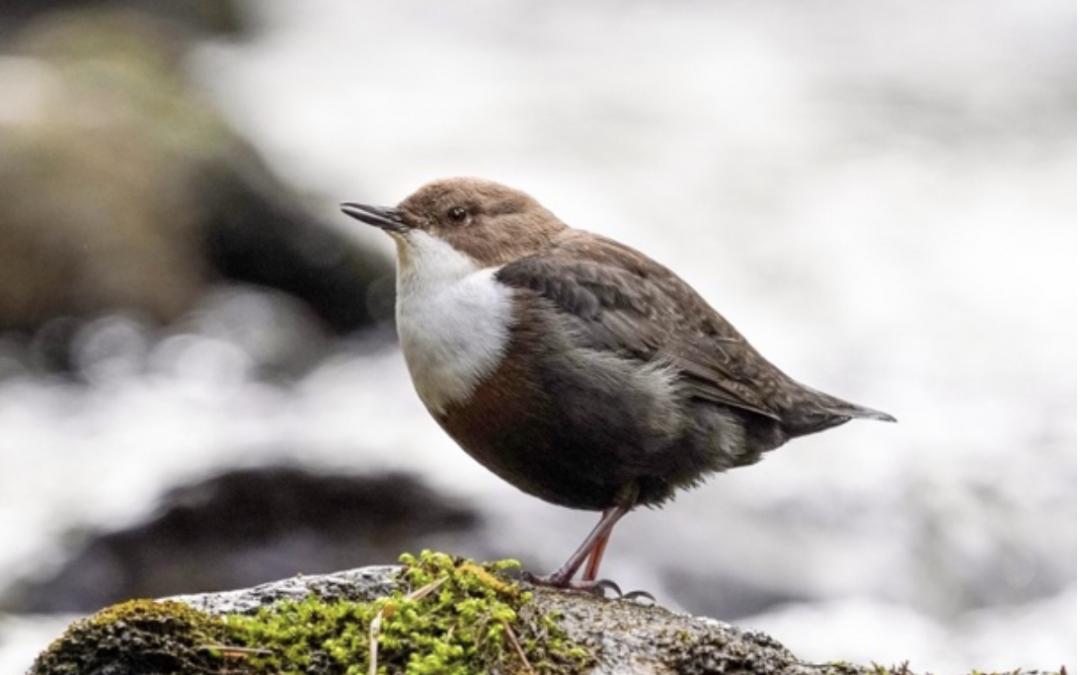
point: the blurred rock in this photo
(204, 16)
(718, 593)
(121, 189)
(251, 526)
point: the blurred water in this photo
(879, 195)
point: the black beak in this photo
(382, 217)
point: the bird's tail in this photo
(860, 411)
(817, 411)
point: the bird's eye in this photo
(457, 213)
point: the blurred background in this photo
(199, 382)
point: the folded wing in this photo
(621, 301)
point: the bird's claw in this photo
(636, 596)
(596, 587)
(602, 586)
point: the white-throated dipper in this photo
(576, 368)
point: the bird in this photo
(574, 367)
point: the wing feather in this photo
(619, 300)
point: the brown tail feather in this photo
(816, 411)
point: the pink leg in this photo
(592, 566)
(592, 548)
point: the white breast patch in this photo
(453, 319)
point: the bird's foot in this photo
(597, 587)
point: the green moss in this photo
(141, 636)
(447, 616)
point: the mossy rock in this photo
(141, 636)
(442, 615)
(432, 614)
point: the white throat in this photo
(453, 319)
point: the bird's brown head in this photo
(491, 223)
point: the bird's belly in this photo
(542, 458)
(571, 434)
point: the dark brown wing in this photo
(622, 301)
